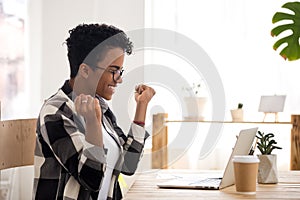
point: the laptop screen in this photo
(242, 146)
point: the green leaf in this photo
(271, 143)
(261, 150)
(265, 143)
(276, 147)
(259, 136)
(268, 136)
(292, 50)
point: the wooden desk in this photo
(145, 188)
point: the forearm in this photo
(80, 158)
(133, 148)
(93, 158)
(92, 166)
(93, 133)
(140, 113)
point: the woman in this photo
(80, 149)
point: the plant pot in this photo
(195, 107)
(267, 169)
(237, 115)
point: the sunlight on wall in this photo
(236, 36)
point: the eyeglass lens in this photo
(117, 74)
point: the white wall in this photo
(236, 36)
(48, 25)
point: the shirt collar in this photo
(103, 104)
(67, 89)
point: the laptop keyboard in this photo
(208, 182)
(212, 183)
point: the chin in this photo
(107, 97)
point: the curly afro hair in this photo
(84, 42)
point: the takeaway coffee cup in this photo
(245, 173)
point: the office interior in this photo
(233, 34)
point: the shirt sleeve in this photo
(133, 148)
(82, 160)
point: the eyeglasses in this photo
(117, 74)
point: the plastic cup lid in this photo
(245, 159)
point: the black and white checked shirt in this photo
(66, 166)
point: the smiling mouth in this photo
(112, 88)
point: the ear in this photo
(84, 70)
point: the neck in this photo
(71, 82)
(79, 87)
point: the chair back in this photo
(17, 143)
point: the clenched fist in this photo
(88, 107)
(143, 93)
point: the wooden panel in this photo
(17, 142)
(295, 143)
(159, 141)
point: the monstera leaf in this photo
(292, 50)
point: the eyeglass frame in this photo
(113, 72)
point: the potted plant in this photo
(290, 22)
(267, 168)
(238, 113)
(195, 102)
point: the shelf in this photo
(228, 122)
(160, 137)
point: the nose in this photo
(120, 80)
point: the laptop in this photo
(243, 146)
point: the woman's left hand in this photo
(143, 93)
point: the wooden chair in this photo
(17, 143)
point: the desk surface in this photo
(145, 188)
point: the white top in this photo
(114, 149)
(112, 156)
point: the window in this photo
(12, 67)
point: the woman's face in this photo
(113, 61)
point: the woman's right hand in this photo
(88, 107)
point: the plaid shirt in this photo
(67, 166)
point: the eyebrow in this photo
(115, 66)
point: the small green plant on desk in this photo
(266, 143)
(267, 169)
